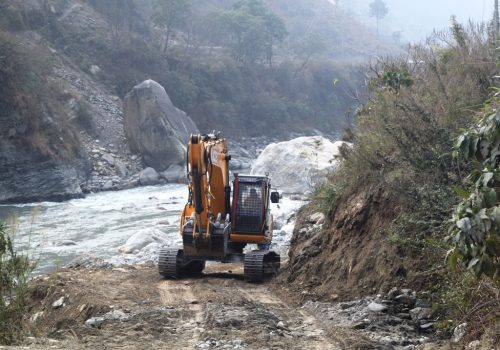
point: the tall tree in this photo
(252, 30)
(379, 10)
(496, 21)
(170, 15)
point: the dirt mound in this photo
(351, 256)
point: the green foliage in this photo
(15, 271)
(476, 221)
(171, 15)
(252, 30)
(417, 106)
(395, 79)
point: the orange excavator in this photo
(218, 222)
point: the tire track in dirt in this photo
(179, 294)
(228, 312)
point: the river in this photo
(56, 233)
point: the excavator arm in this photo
(208, 207)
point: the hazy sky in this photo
(417, 18)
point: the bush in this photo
(403, 143)
(476, 221)
(15, 273)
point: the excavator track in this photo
(170, 262)
(173, 264)
(260, 265)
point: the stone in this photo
(121, 169)
(116, 315)
(473, 345)
(281, 325)
(459, 332)
(95, 322)
(420, 313)
(174, 173)
(58, 303)
(393, 293)
(143, 238)
(108, 185)
(149, 177)
(376, 307)
(154, 127)
(297, 165)
(95, 69)
(35, 317)
(317, 218)
(427, 325)
(405, 300)
(360, 325)
(64, 243)
(108, 158)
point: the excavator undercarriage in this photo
(215, 225)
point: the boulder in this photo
(154, 127)
(174, 174)
(149, 177)
(121, 169)
(295, 166)
(143, 238)
(108, 158)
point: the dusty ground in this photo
(218, 310)
(134, 308)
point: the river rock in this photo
(174, 173)
(149, 177)
(121, 169)
(58, 303)
(376, 307)
(420, 313)
(141, 239)
(108, 158)
(459, 332)
(154, 127)
(295, 166)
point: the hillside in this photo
(68, 64)
(389, 205)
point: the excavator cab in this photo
(250, 204)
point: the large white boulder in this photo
(142, 239)
(295, 166)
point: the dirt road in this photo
(133, 308)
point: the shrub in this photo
(476, 222)
(15, 272)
